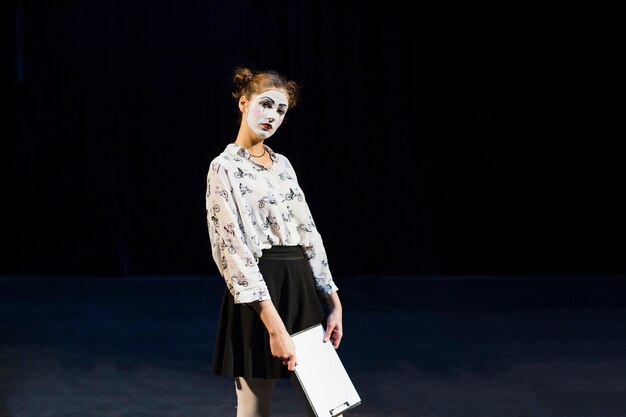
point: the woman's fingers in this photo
(329, 331)
(290, 363)
(333, 333)
(283, 348)
(336, 340)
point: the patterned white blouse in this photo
(251, 208)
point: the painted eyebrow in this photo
(273, 102)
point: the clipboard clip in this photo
(339, 409)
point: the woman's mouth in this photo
(266, 126)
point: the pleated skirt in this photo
(242, 345)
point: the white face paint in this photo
(266, 112)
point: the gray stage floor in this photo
(414, 346)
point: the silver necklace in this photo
(257, 156)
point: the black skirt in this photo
(242, 343)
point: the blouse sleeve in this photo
(314, 249)
(316, 255)
(233, 257)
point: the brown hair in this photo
(248, 83)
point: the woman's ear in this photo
(243, 102)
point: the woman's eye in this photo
(281, 111)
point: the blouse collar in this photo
(235, 149)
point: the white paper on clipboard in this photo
(321, 374)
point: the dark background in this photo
(446, 138)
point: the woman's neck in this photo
(252, 145)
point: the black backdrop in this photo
(447, 138)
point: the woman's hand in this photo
(282, 347)
(334, 325)
(281, 344)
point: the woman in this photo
(266, 246)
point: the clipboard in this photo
(321, 374)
